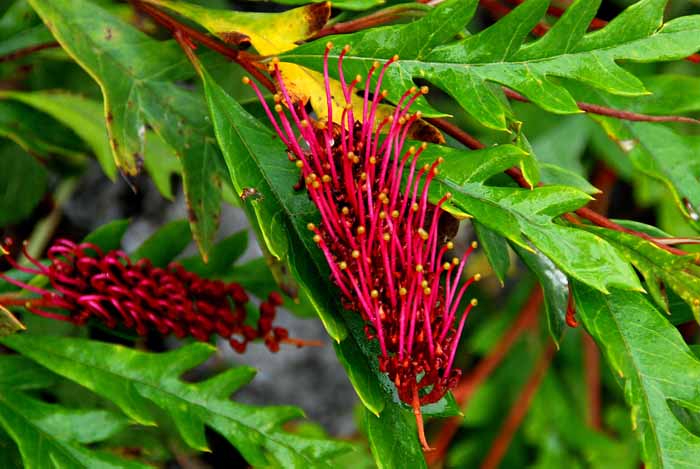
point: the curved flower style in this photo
(382, 243)
(109, 287)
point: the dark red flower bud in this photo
(90, 284)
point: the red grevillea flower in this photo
(89, 283)
(382, 243)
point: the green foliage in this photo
(633, 335)
(120, 90)
(136, 381)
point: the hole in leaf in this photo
(689, 418)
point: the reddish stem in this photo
(469, 383)
(240, 57)
(518, 411)
(611, 112)
(591, 363)
(19, 53)
(375, 19)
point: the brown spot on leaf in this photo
(110, 117)
(108, 34)
(421, 130)
(191, 216)
(317, 16)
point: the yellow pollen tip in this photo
(477, 277)
(395, 57)
(424, 284)
(385, 93)
(358, 78)
(299, 164)
(245, 80)
(374, 293)
(415, 207)
(326, 178)
(342, 265)
(363, 176)
(427, 290)
(455, 261)
(345, 210)
(316, 184)
(474, 302)
(418, 114)
(475, 244)
(424, 89)
(347, 47)
(387, 237)
(696, 302)
(446, 266)
(426, 167)
(304, 123)
(423, 234)
(402, 291)
(450, 245)
(424, 145)
(355, 254)
(419, 268)
(413, 90)
(372, 160)
(278, 107)
(360, 230)
(356, 160)
(395, 214)
(375, 64)
(311, 227)
(329, 45)
(317, 239)
(411, 150)
(448, 196)
(440, 160)
(275, 60)
(382, 215)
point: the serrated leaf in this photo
(659, 267)
(50, 435)
(654, 149)
(136, 381)
(523, 216)
(137, 77)
(657, 367)
(496, 54)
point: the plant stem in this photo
(518, 411)
(19, 53)
(374, 19)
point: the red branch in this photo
(374, 19)
(517, 175)
(591, 362)
(518, 411)
(610, 112)
(240, 57)
(469, 383)
(19, 53)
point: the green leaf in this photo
(659, 267)
(555, 287)
(82, 115)
(391, 450)
(137, 381)
(654, 149)
(23, 182)
(19, 372)
(495, 248)
(223, 255)
(108, 237)
(165, 244)
(466, 68)
(25, 39)
(137, 77)
(49, 435)
(657, 367)
(526, 216)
